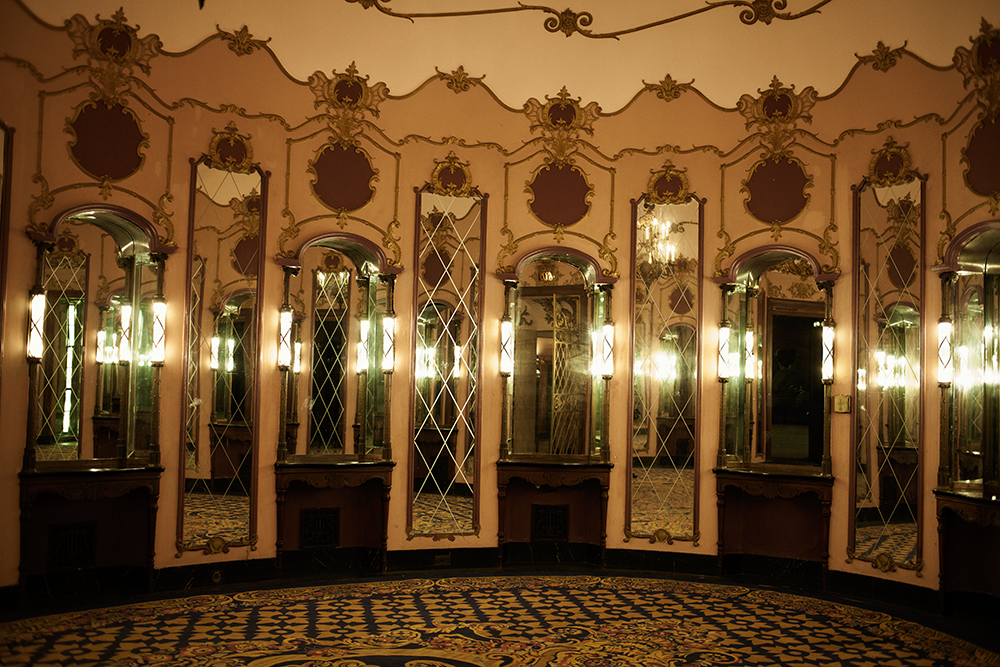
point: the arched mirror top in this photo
(366, 256)
(975, 250)
(131, 232)
(527, 266)
(749, 267)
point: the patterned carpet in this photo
(571, 621)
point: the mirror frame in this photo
(745, 273)
(219, 545)
(360, 251)
(6, 164)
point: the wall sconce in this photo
(945, 367)
(828, 336)
(102, 340)
(285, 337)
(125, 342)
(750, 370)
(388, 343)
(608, 349)
(214, 359)
(36, 325)
(297, 361)
(231, 358)
(506, 345)
(158, 352)
(724, 367)
(361, 365)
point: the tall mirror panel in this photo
(226, 227)
(444, 455)
(889, 227)
(664, 377)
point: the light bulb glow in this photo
(724, 367)
(214, 359)
(102, 339)
(125, 342)
(285, 338)
(36, 340)
(506, 346)
(362, 361)
(158, 352)
(231, 357)
(828, 338)
(945, 367)
(608, 349)
(297, 363)
(388, 343)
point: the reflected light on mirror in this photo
(285, 337)
(157, 353)
(36, 324)
(456, 369)
(297, 362)
(608, 349)
(231, 357)
(506, 346)
(945, 368)
(388, 343)
(828, 337)
(724, 369)
(214, 360)
(362, 360)
(666, 366)
(751, 354)
(862, 379)
(125, 342)
(102, 340)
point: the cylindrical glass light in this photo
(285, 337)
(506, 346)
(297, 361)
(361, 365)
(608, 349)
(102, 340)
(388, 343)
(750, 355)
(125, 341)
(945, 366)
(828, 335)
(724, 370)
(158, 352)
(36, 344)
(214, 359)
(231, 356)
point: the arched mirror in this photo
(444, 458)
(776, 358)
(560, 360)
(226, 228)
(336, 386)
(96, 341)
(889, 227)
(665, 351)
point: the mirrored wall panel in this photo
(889, 377)
(446, 334)
(91, 343)
(223, 350)
(664, 372)
(336, 387)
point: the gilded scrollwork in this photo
(390, 242)
(668, 185)
(883, 58)
(890, 165)
(241, 42)
(459, 80)
(348, 98)
(980, 69)
(668, 89)
(561, 120)
(776, 112)
(451, 177)
(231, 151)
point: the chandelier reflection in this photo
(655, 253)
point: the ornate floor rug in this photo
(570, 621)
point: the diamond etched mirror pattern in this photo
(222, 347)
(446, 373)
(665, 353)
(886, 476)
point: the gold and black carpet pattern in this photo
(570, 621)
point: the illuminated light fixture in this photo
(724, 362)
(297, 361)
(456, 370)
(388, 343)
(945, 367)
(285, 337)
(751, 354)
(231, 358)
(608, 349)
(828, 336)
(506, 346)
(158, 353)
(102, 340)
(362, 362)
(125, 342)
(36, 326)
(214, 359)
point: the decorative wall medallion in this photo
(230, 150)
(107, 140)
(669, 185)
(883, 58)
(560, 194)
(344, 177)
(980, 66)
(776, 189)
(112, 41)
(776, 112)
(347, 98)
(459, 80)
(561, 120)
(982, 157)
(889, 165)
(451, 177)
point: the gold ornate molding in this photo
(451, 177)
(980, 69)
(113, 49)
(668, 185)
(230, 150)
(776, 112)
(348, 98)
(890, 165)
(561, 120)
(883, 58)
(459, 80)
(241, 42)
(668, 89)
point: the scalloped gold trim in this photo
(451, 164)
(889, 149)
(232, 136)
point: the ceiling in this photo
(521, 59)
